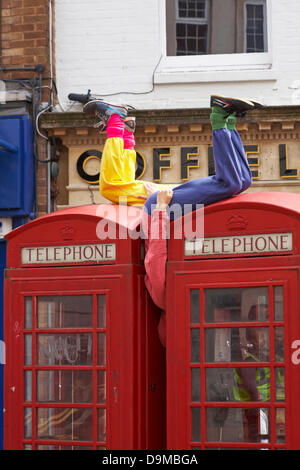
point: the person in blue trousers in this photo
(117, 166)
(232, 172)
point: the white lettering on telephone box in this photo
(296, 354)
(68, 254)
(240, 245)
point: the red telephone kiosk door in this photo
(85, 369)
(233, 328)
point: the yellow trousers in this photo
(117, 175)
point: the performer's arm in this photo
(156, 249)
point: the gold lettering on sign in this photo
(240, 245)
(68, 254)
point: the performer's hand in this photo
(163, 198)
(150, 188)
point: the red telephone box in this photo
(233, 327)
(84, 368)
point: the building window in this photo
(255, 27)
(200, 27)
(188, 27)
(191, 27)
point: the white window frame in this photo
(214, 67)
(190, 20)
(255, 2)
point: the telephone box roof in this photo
(129, 217)
(125, 216)
(275, 201)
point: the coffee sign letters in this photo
(189, 159)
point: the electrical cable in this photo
(53, 83)
(136, 92)
(98, 95)
(36, 94)
(37, 118)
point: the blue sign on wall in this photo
(17, 166)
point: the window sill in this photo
(215, 68)
(215, 76)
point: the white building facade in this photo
(165, 58)
(112, 46)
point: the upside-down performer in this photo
(117, 178)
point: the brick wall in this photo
(25, 34)
(25, 43)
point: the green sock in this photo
(230, 121)
(218, 118)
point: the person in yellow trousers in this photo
(117, 176)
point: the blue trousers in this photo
(232, 177)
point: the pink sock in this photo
(115, 126)
(129, 141)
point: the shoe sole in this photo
(257, 104)
(90, 107)
(246, 104)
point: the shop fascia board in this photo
(71, 120)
